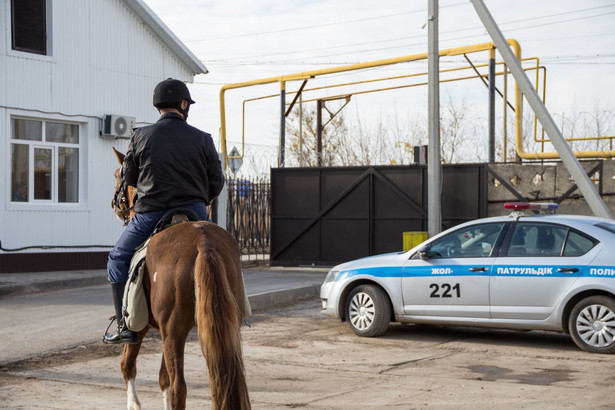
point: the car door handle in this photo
(567, 270)
(479, 269)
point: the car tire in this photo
(368, 310)
(592, 324)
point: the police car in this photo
(526, 272)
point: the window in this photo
(29, 26)
(44, 161)
(540, 239)
(471, 242)
(577, 244)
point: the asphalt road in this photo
(295, 358)
(37, 323)
(51, 358)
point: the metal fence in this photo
(325, 216)
(248, 215)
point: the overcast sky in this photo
(242, 40)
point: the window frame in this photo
(45, 204)
(24, 53)
(461, 255)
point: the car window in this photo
(578, 244)
(542, 239)
(471, 242)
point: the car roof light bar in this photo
(519, 206)
(537, 207)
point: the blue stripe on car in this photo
(496, 270)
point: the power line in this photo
(319, 25)
(230, 60)
(397, 15)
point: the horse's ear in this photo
(119, 156)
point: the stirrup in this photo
(112, 319)
(134, 339)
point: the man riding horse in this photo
(171, 164)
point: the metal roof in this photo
(166, 35)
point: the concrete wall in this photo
(548, 183)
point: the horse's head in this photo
(124, 197)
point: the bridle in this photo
(119, 203)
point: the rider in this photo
(172, 164)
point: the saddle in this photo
(134, 305)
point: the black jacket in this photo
(172, 164)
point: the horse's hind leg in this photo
(164, 382)
(128, 365)
(173, 360)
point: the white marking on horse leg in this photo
(166, 404)
(132, 402)
(155, 274)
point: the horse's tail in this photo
(218, 320)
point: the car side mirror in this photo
(424, 252)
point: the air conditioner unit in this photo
(118, 126)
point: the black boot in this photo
(123, 334)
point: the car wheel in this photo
(592, 324)
(368, 310)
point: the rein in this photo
(120, 198)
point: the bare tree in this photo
(302, 147)
(360, 141)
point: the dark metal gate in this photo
(323, 216)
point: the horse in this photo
(192, 277)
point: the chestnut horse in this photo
(192, 277)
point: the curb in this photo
(266, 300)
(50, 285)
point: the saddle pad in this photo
(135, 309)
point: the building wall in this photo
(102, 60)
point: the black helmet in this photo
(170, 92)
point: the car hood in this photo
(387, 259)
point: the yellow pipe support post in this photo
(282, 146)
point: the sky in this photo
(243, 40)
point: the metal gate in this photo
(323, 216)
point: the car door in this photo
(453, 278)
(541, 261)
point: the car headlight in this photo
(331, 276)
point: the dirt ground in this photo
(296, 358)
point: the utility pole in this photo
(434, 164)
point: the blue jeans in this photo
(137, 231)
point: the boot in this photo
(123, 334)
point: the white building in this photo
(64, 66)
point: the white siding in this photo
(103, 60)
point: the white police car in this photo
(548, 272)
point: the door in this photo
(453, 280)
(542, 261)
